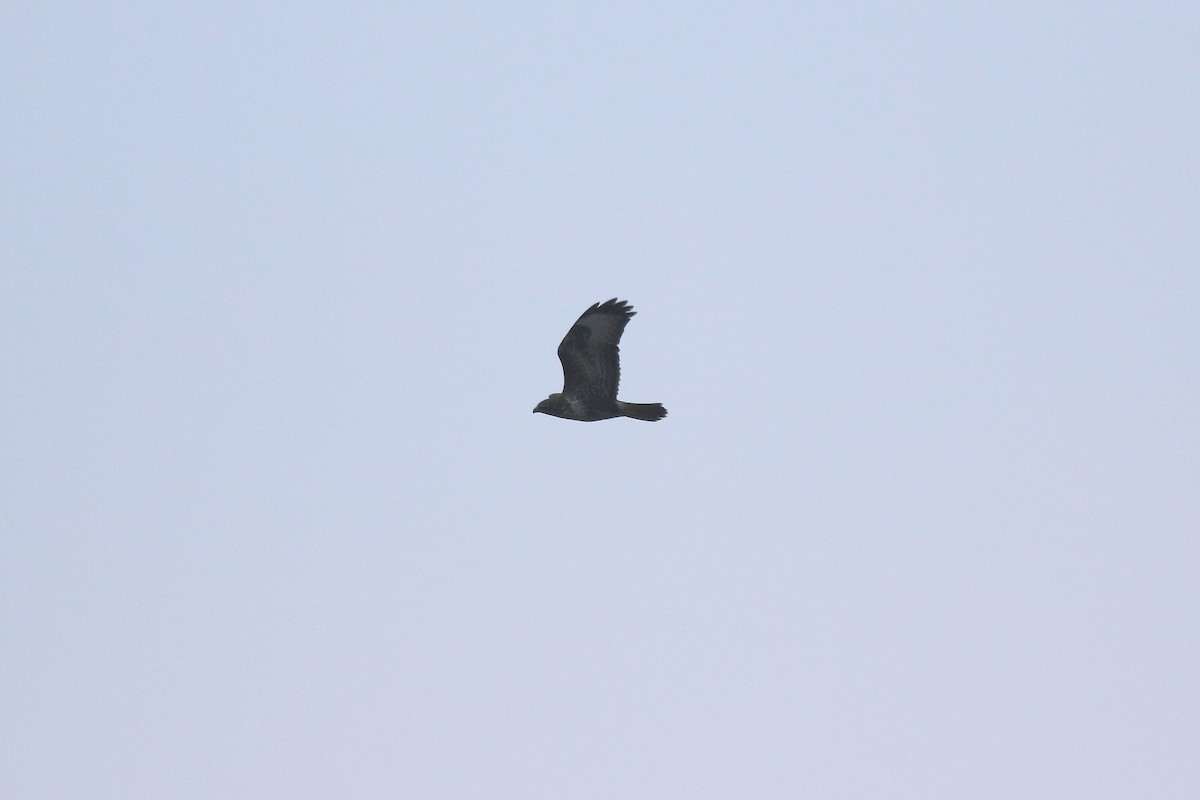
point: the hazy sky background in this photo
(280, 284)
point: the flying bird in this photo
(592, 369)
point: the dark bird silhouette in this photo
(592, 369)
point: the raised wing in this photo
(589, 353)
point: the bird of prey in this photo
(592, 369)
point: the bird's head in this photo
(549, 405)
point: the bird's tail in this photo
(649, 412)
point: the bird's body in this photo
(591, 364)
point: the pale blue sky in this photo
(281, 283)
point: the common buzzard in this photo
(592, 368)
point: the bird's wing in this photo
(589, 353)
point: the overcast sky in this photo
(280, 284)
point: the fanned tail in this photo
(648, 412)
